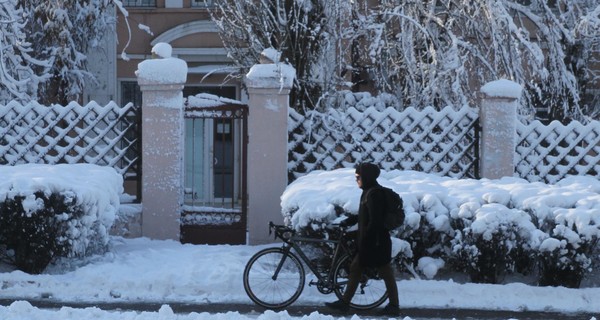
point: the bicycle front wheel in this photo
(273, 278)
(371, 291)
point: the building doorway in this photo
(215, 163)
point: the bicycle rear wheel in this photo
(371, 291)
(274, 279)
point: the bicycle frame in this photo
(291, 243)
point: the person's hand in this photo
(344, 224)
(340, 221)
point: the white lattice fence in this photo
(104, 135)
(549, 153)
(442, 142)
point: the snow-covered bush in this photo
(487, 228)
(492, 242)
(428, 228)
(51, 211)
(561, 264)
(37, 228)
(567, 253)
(567, 217)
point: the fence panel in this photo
(104, 135)
(549, 153)
(443, 142)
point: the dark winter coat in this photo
(373, 239)
(374, 243)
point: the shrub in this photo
(427, 229)
(427, 240)
(565, 258)
(489, 246)
(485, 260)
(485, 228)
(40, 227)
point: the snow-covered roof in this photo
(207, 100)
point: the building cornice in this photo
(185, 29)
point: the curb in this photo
(299, 310)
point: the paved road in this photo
(297, 310)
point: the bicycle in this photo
(275, 277)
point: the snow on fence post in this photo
(161, 82)
(268, 85)
(498, 117)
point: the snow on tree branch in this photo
(426, 53)
(18, 80)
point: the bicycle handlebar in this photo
(285, 233)
(282, 232)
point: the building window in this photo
(139, 3)
(202, 3)
(130, 92)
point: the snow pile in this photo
(502, 89)
(271, 73)
(270, 55)
(162, 50)
(166, 70)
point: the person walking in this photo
(373, 240)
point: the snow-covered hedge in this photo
(486, 228)
(49, 211)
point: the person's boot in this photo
(339, 305)
(391, 311)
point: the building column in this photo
(161, 82)
(498, 119)
(268, 87)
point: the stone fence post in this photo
(268, 87)
(498, 117)
(161, 82)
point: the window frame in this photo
(202, 4)
(137, 100)
(139, 3)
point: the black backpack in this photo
(394, 209)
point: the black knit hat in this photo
(368, 173)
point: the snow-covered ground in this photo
(165, 272)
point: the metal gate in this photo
(215, 195)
